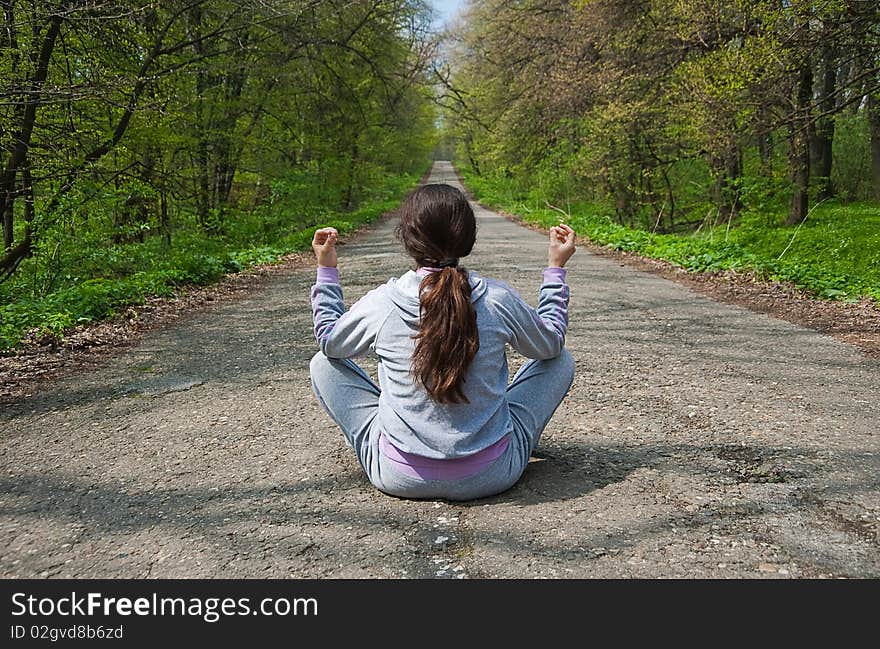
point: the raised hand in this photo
(324, 245)
(562, 246)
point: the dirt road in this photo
(699, 440)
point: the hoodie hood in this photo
(404, 293)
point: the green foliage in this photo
(128, 275)
(673, 114)
(171, 145)
(835, 254)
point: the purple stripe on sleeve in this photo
(327, 275)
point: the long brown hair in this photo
(437, 227)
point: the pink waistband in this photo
(428, 468)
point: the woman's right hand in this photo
(324, 245)
(562, 247)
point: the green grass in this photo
(835, 254)
(104, 280)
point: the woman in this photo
(443, 422)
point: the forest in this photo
(145, 146)
(149, 146)
(737, 134)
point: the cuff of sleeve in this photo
(327, 275)
(554, 275)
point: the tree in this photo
(657, 106)
(152, 109)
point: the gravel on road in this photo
(699, 439)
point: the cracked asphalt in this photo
(699, 440)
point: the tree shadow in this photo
(230, 517)
(562, 470)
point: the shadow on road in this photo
(233, 517)
(560, 472)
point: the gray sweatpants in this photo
(352, 399)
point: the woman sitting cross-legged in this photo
(443, 423)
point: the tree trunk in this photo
(764, 137)
(727, 195)
(8, 222)
(203, 171)
(734, 174)
(824, 134)
(164, 221)
(874, 125)
(352, 172)
(202, 183)
(765, 148)
(670, 199)
(24, 248)
(138, 206)
(227, 152)
(799, 147)
(25, 118)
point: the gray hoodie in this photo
(385, 320)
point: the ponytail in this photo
(437, 227)
(448, 338)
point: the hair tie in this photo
(452, 262)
